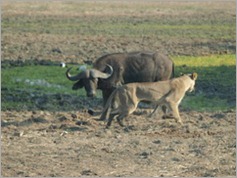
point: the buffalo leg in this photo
(106, 93)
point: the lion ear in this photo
(194, 76)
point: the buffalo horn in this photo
(103, 75)
(76, 77)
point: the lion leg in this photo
(175, 112)
(110, 120)
(129, 110)
(164, 109)
(120, 119)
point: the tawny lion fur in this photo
(124, 100)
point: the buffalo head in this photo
(89, 79)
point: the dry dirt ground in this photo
(75, 144)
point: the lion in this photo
(124, 100)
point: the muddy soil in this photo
(42, 143)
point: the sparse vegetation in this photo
(85, 31)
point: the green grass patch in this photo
(25, 86)
(216, 83)
(200, 102)
(47, 79)
(205, 61)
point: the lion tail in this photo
(173, 71)
(107, 108)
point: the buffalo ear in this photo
(78, 84)
(194, 76)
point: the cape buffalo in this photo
(113, 70)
